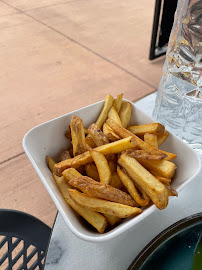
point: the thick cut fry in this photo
(103, 206)
(110, 133)
(164, 180)
(50, 162)
(146, 154)
(151, 139)
(85, 158)
(125, 114)
(99, 190)
(95, 219)
(118, 102)
(163, 167)
(92, 172)
(114, 115)
(154, 128)
(124, 133)
(116, 181)
(97, 135)
(104, 113)
(64, 155)
(144, 179)
(90, 144)
(78, 136)
(162, 138)
(112, 219)
(102, 166)
(70, 174)
(129, 184)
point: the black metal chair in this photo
(23, 241)
(162, 26)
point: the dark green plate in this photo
(176, 248)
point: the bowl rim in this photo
(162, 237)
(127, 225)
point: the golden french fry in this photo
(92, 172)
(85, 158)
(129, 184)
(154, 128)
(64, 155)
(104, 113)
(124, 133)
(50, 162)
(86, 131)
(114, 115)
(70, 174)
(97, 135)
(103, 206)
(125, 114)
(99, 190)
(163, 167)
(118, 102)
(102, 166)
(95, 219)
(110, 133)
(90, 144)
(116, 181)
(162, 138)
(112, 219)
(78, 136)
(151, 139)
(144, 179)
(146, 154)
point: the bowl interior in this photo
(49, 139)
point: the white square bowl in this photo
(49, 139)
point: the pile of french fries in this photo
(112, 170)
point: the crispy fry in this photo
(124, 133)
(146, 154)
(78, 136)
(116, 181)
(118, 102)
(104, 113)
(162, 138)
(110, 133)
(144, 179)
(151, 139)
(163, 167)
(99, 190)
(64, 155)
(102, 166)
(70, 174)
(97, 135)
(154, 128)
(85, 158)
(50, 162)
(92, 172)
(103, 206)
(125, 114)
(95, 219)
(112, 219)
(90, 144)
(130, 186)
(114, 115)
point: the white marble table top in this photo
(67, 252)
